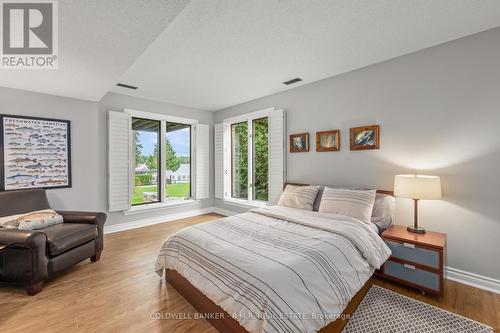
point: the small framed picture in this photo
(299, 143)
(365, 138)
(328, 140)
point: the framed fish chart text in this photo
(34, 153)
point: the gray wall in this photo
(439, 114)
(117, 102)
(83, 117)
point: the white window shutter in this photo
(226, 160)
(202, 162)
(119, 153)
(219, 160)
(277, 157)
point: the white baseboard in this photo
(223, 211)
(165, 218)
(471, 279)
(467, 278)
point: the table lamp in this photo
(417, 187)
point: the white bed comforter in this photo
(277, 269)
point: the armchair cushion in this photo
(66, 236)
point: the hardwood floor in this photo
(121, 293)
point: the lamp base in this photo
(416, 230)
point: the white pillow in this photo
(353, 203)
(383, 210)
(299, 197)
(317, 202)
(31, 221)
(4, 221)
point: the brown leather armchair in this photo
(31, 257)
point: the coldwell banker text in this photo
(29, 34)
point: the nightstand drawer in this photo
(410, 252)
(411, 274)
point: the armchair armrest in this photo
(83, 217)
(22, 238)
(27, 259)
(97, 219)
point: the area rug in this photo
(385, 311)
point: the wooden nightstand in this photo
(417, 260)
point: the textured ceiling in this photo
(211, 54)
(218, 53)
(98, 41)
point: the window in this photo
(156, 160)
(178, 161)
(154, 166)
(260, 159)
(146, 161)
(239, 160)
(257, 170)
(249, 157)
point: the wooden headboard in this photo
(301, 184)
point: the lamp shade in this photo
(417, 187)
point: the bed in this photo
(273, 269)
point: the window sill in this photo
(159, 206)
(245, 204)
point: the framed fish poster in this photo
(34, 153)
